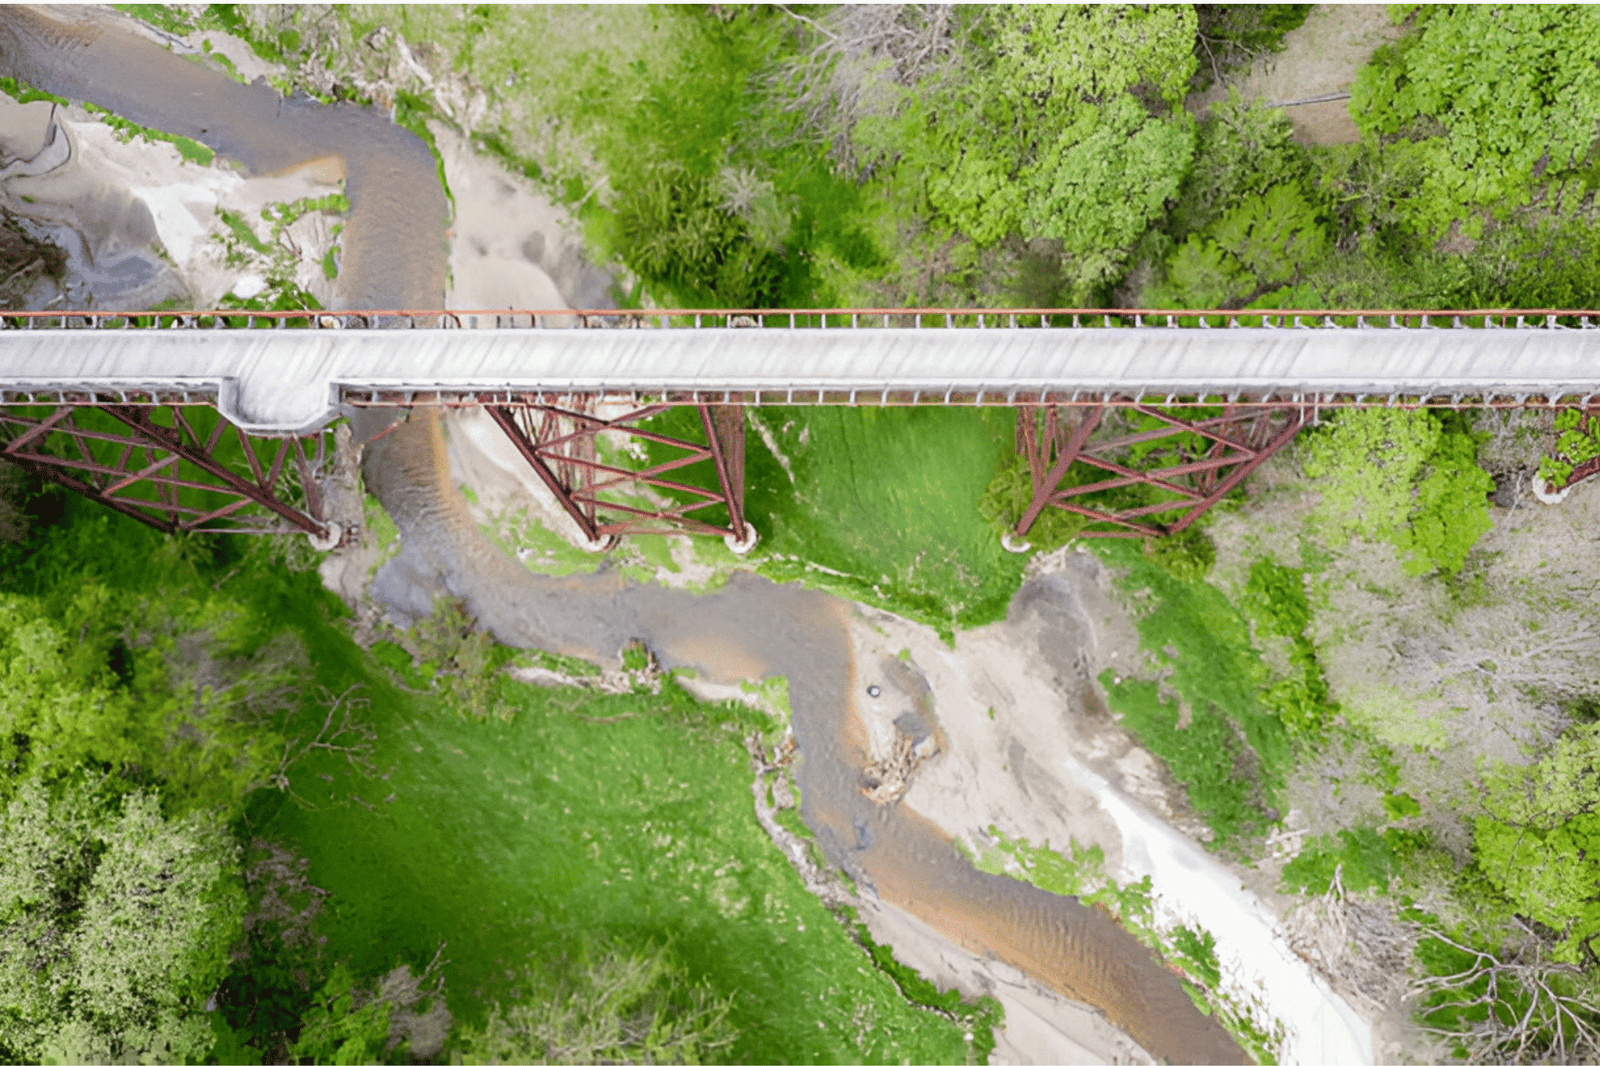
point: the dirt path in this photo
(1320, 58)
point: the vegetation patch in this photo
(882, 506)
(583, 826)
(1233, 752)
(191, 150)
(1364, 859)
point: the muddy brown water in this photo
(395, 255)
(394, 239)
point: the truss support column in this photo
(1297, 419)
(1046, 480)
(82, 488)
(171, 440)
(506, 419)
(724, 427)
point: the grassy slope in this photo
(512, 841)
(518, 841)
(886, 498)
(1233, 755)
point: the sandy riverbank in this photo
(496, 260)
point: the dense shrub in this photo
(1364, 858)
(1539, 840)
(674, 227)
(115, 926)
(1481, 102)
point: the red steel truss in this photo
(1201, 461)
(558, 441)
(151, 464)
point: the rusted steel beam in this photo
(165, 448)
(1045, 481)
(724, 428)
(140, 421)
(1234, 444)
(506, 420)
(561, 450)
(1296, 421)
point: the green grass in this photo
(883, 507)
(1235, 753)
(609, 816)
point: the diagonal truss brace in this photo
(139, 471)
(1230, 447)
(559, 442)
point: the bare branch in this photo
(338, 734)
(1560, 1022)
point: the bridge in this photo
(219, 420)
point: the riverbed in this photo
(902, 855)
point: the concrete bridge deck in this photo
(286, 381)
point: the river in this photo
(395, 255)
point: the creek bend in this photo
(395, 257)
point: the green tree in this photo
(1406, 477)
(1452, 504)
(115, 926)
(1263, 243)
(1483, 100)
(1066, 125)
(186, 700)
(1539, 840)
(618, 1006)
(1242, 149)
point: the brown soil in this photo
(1321, 57)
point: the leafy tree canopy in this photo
(1067, 126)
(1405, 477)
(613, 1004)
(1539, 842)
(115, 926)
(184, 700)
(1483, 100)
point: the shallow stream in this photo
(395, 257)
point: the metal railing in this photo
(815, 318)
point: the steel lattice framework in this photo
(1118, 433)
(1205, 458)
(154, 465)
(559, 443)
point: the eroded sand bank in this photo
(983, 928)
